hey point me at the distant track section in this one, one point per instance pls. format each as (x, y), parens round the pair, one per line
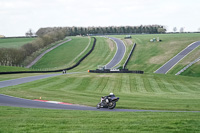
(41, 55)
(121, 49)
(172, 62)
(59, 70)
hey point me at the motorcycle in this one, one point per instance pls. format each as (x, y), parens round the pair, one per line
(109, 102)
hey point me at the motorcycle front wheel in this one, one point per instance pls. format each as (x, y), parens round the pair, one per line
(98, 106)
(112, 105)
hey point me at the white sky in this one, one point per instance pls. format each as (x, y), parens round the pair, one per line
(18, 16)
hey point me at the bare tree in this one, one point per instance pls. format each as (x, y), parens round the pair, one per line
(174, 29)
(29, 33)
(182, 29)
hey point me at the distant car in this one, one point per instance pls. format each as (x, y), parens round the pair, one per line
(127, 36)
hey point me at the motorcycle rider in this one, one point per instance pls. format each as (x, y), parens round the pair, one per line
(107, 98)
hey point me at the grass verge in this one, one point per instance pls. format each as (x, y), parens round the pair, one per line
(44, 120)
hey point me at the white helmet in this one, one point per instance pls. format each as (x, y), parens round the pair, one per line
(111, 94)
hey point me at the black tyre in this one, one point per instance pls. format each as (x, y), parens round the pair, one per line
(112, 105)
(98, 106)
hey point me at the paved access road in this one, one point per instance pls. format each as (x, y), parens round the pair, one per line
(19, 102)
(171, 63)
(121, 49)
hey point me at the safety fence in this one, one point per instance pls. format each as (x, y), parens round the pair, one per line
(124, 66)
(115, 71)
(182, 70)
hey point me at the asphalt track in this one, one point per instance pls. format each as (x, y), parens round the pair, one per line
(121, 49)
(171, 63)
(25, 103)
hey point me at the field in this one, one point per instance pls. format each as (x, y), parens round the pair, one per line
(148, 91)
(14, 42)
(44, 120)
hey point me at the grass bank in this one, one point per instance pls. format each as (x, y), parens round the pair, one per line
(43, 120)
(62, 56)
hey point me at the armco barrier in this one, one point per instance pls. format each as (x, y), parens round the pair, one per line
(115, 71)
(60, 70)
(124, 66)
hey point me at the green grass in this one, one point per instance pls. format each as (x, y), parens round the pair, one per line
(44, 120)
(101, 55)
(158, 92)
(14, 42)
(191, 71)
(147, 91)
(12, 69)
(150, 56)
(62, 56)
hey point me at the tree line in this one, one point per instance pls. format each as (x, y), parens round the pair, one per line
(46, 36)
(16, 56)
(73, 31)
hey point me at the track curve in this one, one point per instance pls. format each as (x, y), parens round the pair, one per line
(121, 49)
(25, 103)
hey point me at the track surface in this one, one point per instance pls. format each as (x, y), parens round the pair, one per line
(121, 49)
(171, 63)
(19, 102)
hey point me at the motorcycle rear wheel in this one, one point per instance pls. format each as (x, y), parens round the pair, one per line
(112, 105)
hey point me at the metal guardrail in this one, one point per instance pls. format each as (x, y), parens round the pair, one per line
(182, 70)
(124, 66)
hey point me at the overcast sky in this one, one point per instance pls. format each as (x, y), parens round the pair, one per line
(18, 16)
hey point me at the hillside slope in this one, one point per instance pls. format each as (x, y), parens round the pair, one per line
(64, 55)
(149, 56)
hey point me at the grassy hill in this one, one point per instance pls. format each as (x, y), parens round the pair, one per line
(149, 56)
(64, 55)
(14, 42)
(102, 54)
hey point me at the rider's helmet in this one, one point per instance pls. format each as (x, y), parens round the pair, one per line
(111, 94)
